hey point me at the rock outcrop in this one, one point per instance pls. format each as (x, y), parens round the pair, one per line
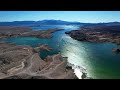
(42, 47)
(116, 50)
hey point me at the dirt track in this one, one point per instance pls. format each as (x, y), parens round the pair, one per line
(21, 62)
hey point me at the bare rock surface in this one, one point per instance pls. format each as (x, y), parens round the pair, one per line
(21, 62)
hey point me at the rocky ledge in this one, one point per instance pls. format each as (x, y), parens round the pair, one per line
(24, 62)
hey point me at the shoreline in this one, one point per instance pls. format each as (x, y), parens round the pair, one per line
(24, 62)
(98, 34)
(29, 65)
(10, 31)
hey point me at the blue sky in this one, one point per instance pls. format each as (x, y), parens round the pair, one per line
(80, 16)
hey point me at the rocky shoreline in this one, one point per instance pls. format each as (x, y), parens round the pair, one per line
(24, 62)
(14, 31)
(97, 33)
(21, 62)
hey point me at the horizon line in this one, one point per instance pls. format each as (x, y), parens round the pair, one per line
(57, 19)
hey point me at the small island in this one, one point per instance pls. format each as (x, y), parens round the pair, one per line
(116, 50)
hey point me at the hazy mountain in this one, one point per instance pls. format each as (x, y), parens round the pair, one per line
(106, 24)
(113, 23)
(42, 22)
(51, 22)
(15, 23)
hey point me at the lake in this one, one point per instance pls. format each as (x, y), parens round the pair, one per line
(96, 58)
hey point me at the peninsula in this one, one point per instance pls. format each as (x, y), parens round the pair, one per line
(24, 62)
(15, 31)
(97, 33)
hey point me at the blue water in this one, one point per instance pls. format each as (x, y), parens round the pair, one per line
(97, 58)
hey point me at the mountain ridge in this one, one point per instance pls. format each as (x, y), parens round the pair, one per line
(52, 22)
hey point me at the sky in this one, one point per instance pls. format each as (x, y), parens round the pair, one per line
(80, 16)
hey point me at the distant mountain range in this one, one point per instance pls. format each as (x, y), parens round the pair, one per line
(42, 22)
(51, 22)
(107, 24)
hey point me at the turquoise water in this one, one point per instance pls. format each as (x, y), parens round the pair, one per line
(97, 58)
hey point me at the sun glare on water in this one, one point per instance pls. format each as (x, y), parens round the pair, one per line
(78, 73)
